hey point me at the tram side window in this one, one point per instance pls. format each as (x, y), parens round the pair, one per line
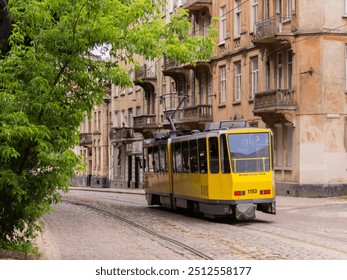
(145, 159)
(214, 155)
(156, 157)
(163, 158)
(224, 154)
(185, 156)
(150, 160)
(193, 152)
(202, 155)
(177, 157)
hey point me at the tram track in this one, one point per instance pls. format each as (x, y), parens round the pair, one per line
(140, 227)
(215, 240)
(241, 253)
(298, 240)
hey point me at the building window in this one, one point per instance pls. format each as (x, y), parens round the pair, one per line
(288, 9)
(99, 121)
(289, 69)
(89, 125)
(254, 78)
(193, 89)
(203, 89)
(222, 24)
(267, 74)
(94, 155)
(222, 75)
(115, 121)
(278, 144)
(164, 95)
(209, 88)
(267, 9)
(346, 66)
(99, 155)
(122, 117)
(173, 95)
(237, 19)
(237, 81)
(95, 121)
(138, 111)
(130, 117)
(254, 13)
(279, 70)
(206, 24)
(283, 144)
(279, 8)
(289, 143)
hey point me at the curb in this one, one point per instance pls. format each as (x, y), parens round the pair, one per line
(110, 190)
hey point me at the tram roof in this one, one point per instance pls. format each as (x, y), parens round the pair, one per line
(216, 127)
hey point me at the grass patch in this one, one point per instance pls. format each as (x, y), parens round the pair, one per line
(19, 249)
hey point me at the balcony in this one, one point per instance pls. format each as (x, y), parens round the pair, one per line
(198, 113)
(146, 77)
(272, 30)
(275, 105)
(121, 133)
(144, 121)
(178, 118)
(146, 72)
(196, 5)
(85, 139)
(173, 69)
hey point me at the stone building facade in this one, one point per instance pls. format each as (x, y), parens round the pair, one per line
(280, 64)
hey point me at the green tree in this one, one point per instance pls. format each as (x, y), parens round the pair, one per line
(48, 82)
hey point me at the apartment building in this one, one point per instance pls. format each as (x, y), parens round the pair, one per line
(280, 64)
(94, 143)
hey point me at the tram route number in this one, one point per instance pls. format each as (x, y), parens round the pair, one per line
(219, 270)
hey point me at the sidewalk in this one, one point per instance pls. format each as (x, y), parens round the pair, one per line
(111, 190)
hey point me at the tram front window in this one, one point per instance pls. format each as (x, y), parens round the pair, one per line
(249, 152)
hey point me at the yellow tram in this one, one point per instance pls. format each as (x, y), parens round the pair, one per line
(222, 171)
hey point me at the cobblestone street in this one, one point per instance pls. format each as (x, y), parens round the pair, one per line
(109, 225)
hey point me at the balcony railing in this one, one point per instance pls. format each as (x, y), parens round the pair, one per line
(198, 113)
(146, 72)
(144, 121)
(85, 139)
(177, 118)
(120, 133)
(269, 101)
(268, 28)
(172, 64)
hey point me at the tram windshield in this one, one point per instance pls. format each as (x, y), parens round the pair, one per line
(249, 152)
